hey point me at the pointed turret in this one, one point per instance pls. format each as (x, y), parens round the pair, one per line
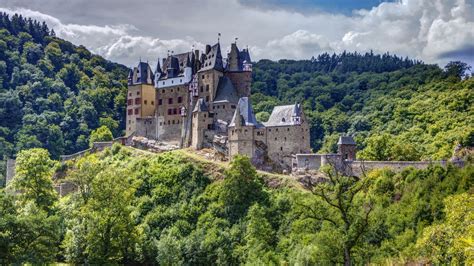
(158, 71)
(130, 77)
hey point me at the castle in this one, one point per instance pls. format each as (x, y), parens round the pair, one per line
(201, 100)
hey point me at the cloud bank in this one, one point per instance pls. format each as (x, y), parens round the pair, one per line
(435, 31)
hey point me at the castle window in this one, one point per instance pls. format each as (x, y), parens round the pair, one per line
(129, 102)
(276, 130)
(173, 122)
(202, 88)
(283, 119)
(209, 127)
(207, 98)
(303, 137)
(130, 94)
(170, 100)
(138, 93)
(285, 138)
(171, 89)
(232, 106)
(152, 103)
(163, 91)
(137, 101)
(223, 106)
(207, 87)
(172, 81)
(175, 111)
(275, 138)
(180, 99)
(288, 129)
(177, 89)
(169, 122)
(160, 101)
(180, 80)
(205, 115)
(170, 111)
(213, 107)
(130, 112)
(269, 130)
(245, 130)
(145, 101)
(218, 106)
(281, 148)
(161, 123)
(137, 111)
(202, 76)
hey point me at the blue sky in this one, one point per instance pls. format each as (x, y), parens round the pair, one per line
(339, 6)
(435, 31)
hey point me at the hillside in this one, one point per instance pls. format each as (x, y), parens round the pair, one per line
(135, 207)
(398, 109)
(53, 93)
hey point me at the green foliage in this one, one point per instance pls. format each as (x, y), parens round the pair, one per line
(425, 110)
(453, 240)
(53, 93)
(33, 178)
(103, 133)
(166, 209)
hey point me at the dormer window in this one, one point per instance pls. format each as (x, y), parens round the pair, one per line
(283, 119)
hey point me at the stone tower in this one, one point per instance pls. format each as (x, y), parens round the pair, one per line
(241, 130)
(140, 96)
(200, 122)
(347, 148)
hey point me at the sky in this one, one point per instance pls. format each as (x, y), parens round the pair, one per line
(435, 31)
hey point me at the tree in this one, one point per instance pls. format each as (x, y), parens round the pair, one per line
(240, 189)
(103, 229)
(456, 70)
(345, 208)
(451, 241)
(33, 178)
(103, 133)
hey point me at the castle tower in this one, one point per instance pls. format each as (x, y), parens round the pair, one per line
(347, 148)
(239, 70)
(241, 130)
(200, 122)
(140, 96)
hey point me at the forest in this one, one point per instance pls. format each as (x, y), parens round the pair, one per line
(133, 207)
(53, 94)
(166, 209)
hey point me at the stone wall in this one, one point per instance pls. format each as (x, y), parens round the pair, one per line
(285, 141)
(168, 112)
(146, 127)
(357, 168)
(314, 162)
(241, 81)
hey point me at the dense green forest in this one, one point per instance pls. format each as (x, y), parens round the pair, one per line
(166, 209)
(53, 93)
(397, 109)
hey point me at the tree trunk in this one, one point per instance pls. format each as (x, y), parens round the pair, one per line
(347, 257)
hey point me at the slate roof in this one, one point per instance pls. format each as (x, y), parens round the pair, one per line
(142, 73)
(177, 61)
(244, 109)
(244, 55)
(283, 115)
(226, 91)
(346, 140)
(200, 106)
(213, 59)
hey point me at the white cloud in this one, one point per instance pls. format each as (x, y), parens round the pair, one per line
(422, 29)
